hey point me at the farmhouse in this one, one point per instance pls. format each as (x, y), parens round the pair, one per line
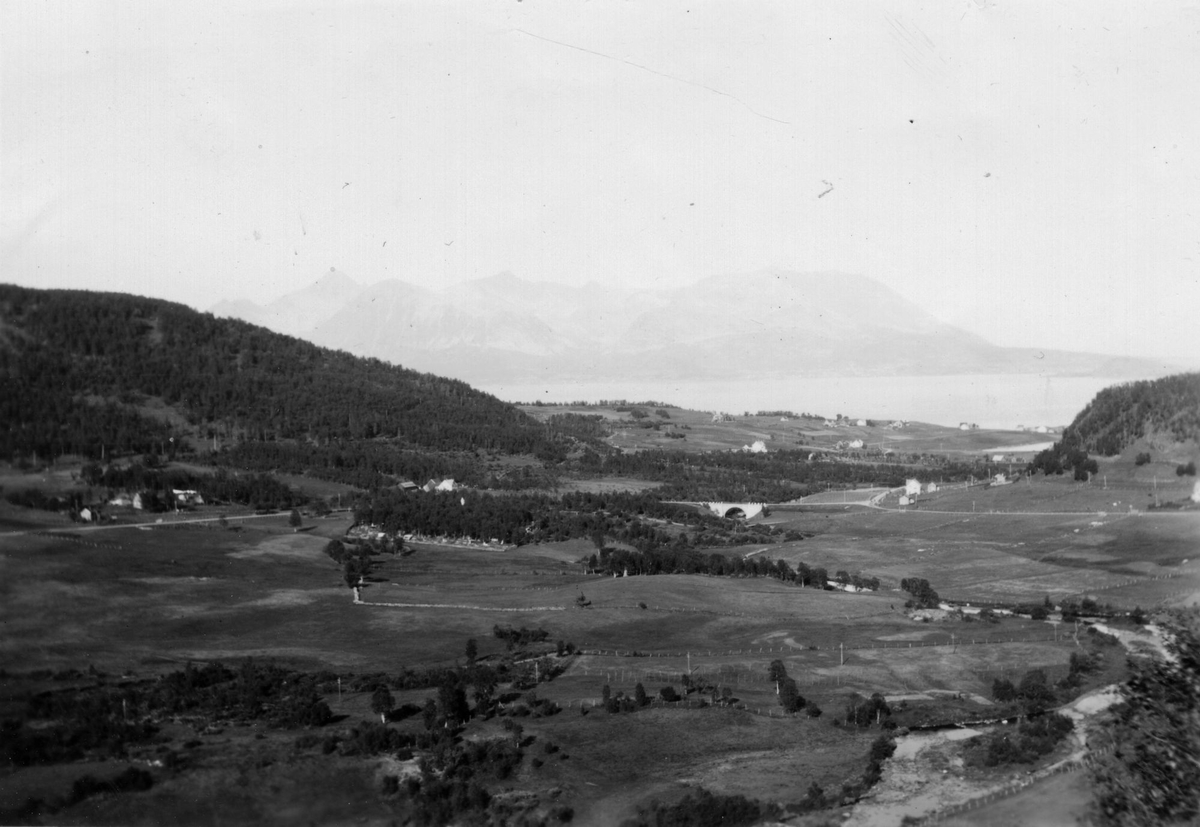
(862, 423)
(906, 500)
(854, 443)
(187, 497)
(912, 487)
(759, 447)
(122, 500)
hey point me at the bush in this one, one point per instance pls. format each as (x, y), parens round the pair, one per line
(702, 809)
(131, 780)
(1033, 739)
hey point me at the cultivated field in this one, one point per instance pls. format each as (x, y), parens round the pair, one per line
(702, 434)
(146, 600)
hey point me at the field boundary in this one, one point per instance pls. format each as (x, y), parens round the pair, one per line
(1066, 766)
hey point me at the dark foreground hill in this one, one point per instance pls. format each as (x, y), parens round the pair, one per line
(80, 372)
(1122, 414)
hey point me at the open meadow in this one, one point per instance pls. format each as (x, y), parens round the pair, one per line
(145, 601)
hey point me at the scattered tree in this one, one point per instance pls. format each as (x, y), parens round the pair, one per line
(381, 702)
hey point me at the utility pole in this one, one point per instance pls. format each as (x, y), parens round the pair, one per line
(842, 648)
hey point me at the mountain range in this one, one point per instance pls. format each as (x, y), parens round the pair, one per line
(769, 323)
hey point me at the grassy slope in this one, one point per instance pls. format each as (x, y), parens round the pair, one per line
(702, 434)
(149, 600)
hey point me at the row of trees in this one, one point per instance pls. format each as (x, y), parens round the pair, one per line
(521, 518)
(676, 560)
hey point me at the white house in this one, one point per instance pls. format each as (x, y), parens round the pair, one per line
(997, 457)
(912, 487)
(85, 515)
(964, 426)
(862, 423)
(854, 443)
(931, 488)
(123, 500)
(187, 497)
(905, 500)
(1000, 479)
(137, 501)
(446, 485)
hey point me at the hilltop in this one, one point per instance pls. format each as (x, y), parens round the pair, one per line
(95, 374)
(1122, 414)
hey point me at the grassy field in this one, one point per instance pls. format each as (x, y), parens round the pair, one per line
(702, 434)
(148, 599)
(994, 555)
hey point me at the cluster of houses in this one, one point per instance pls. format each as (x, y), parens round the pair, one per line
(1039, 429)
(845, 422)
(849, 444)
(139, 501)
(759, 447)
(430, 486)
(913, 489)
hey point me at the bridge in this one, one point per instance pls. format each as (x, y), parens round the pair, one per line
(740, 511)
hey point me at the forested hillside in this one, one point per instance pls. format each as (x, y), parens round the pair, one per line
(1122, 414)
(77, 367)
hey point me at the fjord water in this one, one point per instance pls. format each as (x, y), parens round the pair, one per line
(991, 401)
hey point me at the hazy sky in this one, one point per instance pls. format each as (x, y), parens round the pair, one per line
(1029, 170)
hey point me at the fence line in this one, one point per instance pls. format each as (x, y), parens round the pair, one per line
(767, 650)
(1067, 766)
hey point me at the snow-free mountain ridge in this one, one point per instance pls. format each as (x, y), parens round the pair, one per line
(503, 328)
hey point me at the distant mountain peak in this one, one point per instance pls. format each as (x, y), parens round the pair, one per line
(771, 322)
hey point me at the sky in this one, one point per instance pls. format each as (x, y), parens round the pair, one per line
(1029, 171)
